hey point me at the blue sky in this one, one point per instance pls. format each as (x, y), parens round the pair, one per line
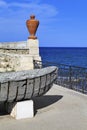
(63, 23)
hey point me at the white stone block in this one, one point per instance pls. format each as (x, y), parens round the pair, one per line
(23, 109)
(33, 46)
(33, 43)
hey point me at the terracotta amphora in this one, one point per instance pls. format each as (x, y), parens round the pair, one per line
(32, 26)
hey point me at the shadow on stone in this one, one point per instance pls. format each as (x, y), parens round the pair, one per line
(2, 109)
(44, 101)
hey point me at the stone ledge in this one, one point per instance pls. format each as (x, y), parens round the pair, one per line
(21, 75)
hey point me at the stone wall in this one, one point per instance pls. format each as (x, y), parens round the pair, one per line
(15, 51)
(16, 56)
(21, 44)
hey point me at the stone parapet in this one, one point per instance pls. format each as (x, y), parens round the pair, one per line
(16, 51)
(33, 46)
(15, 62)
(18, 56)
(20, 44)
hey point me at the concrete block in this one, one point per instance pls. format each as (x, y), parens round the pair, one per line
(23, 109)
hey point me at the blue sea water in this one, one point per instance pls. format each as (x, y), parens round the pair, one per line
(67, 55)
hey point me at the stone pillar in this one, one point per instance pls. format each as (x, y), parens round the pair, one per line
(33, 45)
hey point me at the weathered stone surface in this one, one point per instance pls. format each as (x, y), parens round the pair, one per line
(33, 46)
(12, 90)
(43, 81)
(25, 84)
(48, 79)
(20, 75)
(15, 50)
(41, 91)
(15, 62)
(17, 56)
(36, 86)
(25, 62)
(22, 44)
(3, 69)
(52, 76)
(29, 89)
(21, 85)
(3, 91)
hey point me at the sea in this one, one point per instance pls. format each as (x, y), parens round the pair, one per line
(75, 56)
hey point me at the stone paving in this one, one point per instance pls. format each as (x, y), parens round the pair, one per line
(59, 109)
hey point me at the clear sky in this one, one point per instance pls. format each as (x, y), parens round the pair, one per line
(63, 23)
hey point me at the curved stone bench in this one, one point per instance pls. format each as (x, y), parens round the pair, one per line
(23, 85)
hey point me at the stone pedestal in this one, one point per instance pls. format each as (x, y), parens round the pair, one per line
(21, 110)
(33, 45)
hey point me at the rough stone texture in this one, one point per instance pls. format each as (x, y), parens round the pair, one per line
(16, 56)
(21, 75)
(15, 62)
(4, 91)
(36, 86)
(29, 89)
(43, 81)
(48, 79)
(15, 51)
(25, 63)
(21, 89)
(34, 49)
(21, 44)
(25, 84)
(12, 90)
